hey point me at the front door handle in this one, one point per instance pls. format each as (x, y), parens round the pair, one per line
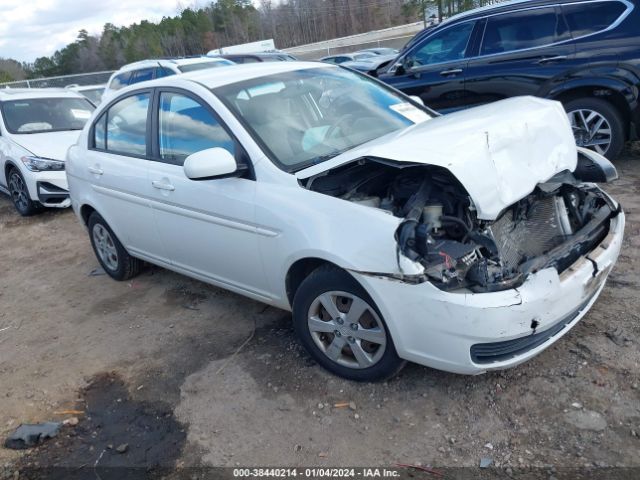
(96, 170)
(557, 58)
(453, 71)
(163, 186)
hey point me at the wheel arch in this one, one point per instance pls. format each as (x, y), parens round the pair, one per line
(301, 269)
(85, 212)
(610, 92)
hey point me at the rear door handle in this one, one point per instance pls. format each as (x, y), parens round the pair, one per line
(96, 170)
(453, 71)
(163, 186)
(557, 58)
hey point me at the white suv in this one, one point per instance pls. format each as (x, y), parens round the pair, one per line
(145, 70)
(469, 242)
(37, 126)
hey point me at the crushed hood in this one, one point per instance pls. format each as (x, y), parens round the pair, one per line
(53, 145)
(499, 152)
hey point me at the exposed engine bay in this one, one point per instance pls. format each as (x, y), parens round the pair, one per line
(557, 223)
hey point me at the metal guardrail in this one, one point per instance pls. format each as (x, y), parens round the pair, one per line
(95, 78)
(393, 37)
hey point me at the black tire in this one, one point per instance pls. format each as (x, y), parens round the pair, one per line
(124, 266)
(611, 114)
(20, 194)
(327, 279)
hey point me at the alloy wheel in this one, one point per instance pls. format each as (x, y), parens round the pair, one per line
(591, 130)
(19, 192)
(347, 329)
(105, 246)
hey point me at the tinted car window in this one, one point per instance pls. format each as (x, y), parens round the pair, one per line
(586, 18)
(121, 81)
(448, 45)
(187, 127)
(143, 75)
(163, 72)
(520, 30)
(127, 125)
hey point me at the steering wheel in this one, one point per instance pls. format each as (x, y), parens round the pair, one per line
(338, 126)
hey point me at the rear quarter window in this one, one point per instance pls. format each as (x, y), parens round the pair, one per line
(120, 81)
(587, 18)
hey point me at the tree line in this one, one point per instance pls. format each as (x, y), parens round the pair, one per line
(195, 31)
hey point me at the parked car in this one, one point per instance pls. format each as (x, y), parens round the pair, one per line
(146, 70)
(92, 92)
(37, 126)
(347, 57)
(381, 51)
(255, 57)
(371, 65)
(584, 53)
(466, 242)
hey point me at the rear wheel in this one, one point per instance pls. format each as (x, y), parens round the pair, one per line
(113, 257)
(597, 125)
(341, 327)
(20, 194)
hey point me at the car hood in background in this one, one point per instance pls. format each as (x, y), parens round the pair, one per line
(371, 63)
(53, 145)
(499, 152)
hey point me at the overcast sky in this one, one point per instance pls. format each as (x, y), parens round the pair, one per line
(36, 28)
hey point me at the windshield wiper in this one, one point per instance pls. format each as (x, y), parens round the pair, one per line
(329, 156)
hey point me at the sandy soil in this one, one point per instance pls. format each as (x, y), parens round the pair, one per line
(162, 346)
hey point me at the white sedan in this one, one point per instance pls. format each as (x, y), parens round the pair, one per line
(466, 243)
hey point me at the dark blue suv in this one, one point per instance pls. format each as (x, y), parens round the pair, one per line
(585, 54)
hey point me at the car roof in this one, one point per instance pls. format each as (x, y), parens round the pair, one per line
(28, 93)
(503, 7)
(80, 88)
(164, 62)
(227, 75)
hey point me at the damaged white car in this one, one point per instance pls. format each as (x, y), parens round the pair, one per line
(466, 243)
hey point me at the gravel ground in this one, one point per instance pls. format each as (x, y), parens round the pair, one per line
(154, 366)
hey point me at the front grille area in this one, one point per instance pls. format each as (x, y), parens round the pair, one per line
(521, 239)
(483, 353)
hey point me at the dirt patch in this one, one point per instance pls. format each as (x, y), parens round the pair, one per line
(116, 431)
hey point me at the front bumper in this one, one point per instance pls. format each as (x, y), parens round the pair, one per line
(49, 188)
(472, 333)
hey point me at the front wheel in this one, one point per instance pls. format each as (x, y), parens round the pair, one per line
(20, 194)
(111, 254)
(597, 125)
(341, 328)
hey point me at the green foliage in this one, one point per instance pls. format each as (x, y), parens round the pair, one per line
(196, 31)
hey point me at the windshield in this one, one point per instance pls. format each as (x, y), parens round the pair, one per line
(203, 66)
(309, 116)
(38, 115)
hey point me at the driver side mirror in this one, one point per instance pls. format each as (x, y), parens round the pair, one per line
(210, 163)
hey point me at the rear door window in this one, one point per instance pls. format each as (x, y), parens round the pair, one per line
(587, 18)
(522, 30)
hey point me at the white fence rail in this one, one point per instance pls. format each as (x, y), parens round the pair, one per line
(393, 37)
